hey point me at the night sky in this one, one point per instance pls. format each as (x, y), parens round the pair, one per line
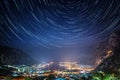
(58, 29)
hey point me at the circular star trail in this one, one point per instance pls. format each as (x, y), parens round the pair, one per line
(56, 23)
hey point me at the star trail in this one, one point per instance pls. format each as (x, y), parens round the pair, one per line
(57, 23)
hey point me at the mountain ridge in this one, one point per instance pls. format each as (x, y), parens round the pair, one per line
(110, 62)
(13, 56)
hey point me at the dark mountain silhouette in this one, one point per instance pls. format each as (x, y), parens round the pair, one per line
(14, 56)
(111, 61)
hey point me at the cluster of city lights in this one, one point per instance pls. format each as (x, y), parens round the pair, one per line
(41, 70)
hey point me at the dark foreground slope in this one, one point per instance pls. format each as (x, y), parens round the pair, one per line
(111, 63)
(14, 56)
